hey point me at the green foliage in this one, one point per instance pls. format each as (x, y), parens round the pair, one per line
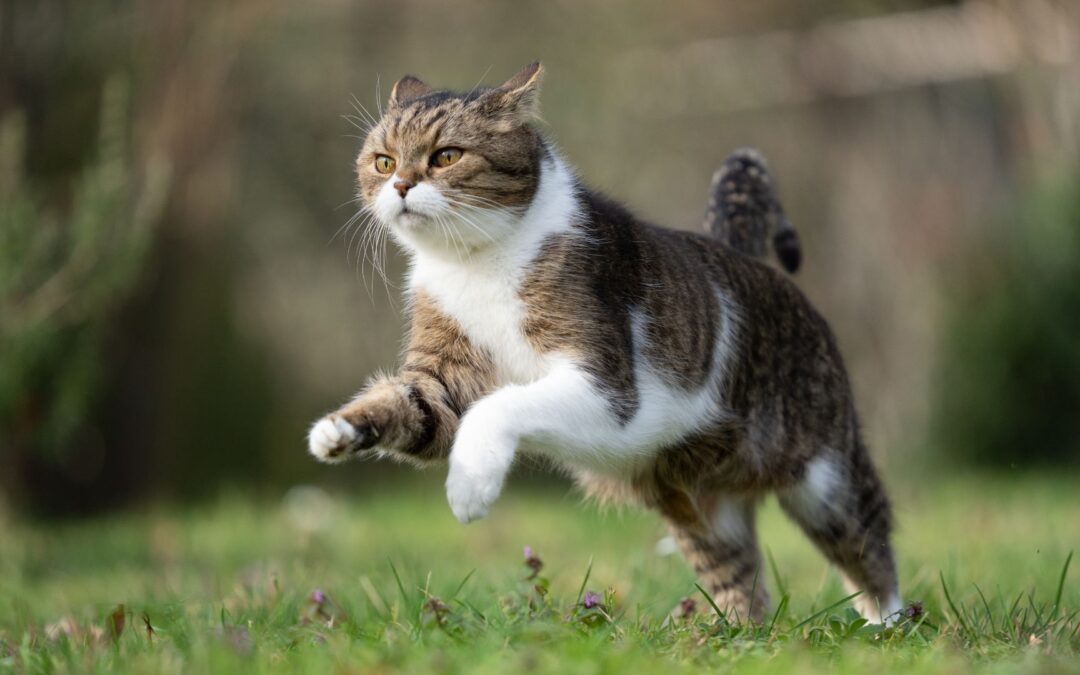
(1010, 384)
(64, 272)
(393, 584)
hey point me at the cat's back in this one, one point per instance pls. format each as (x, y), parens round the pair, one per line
(692, 284)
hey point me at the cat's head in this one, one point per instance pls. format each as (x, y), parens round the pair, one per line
(453, 169)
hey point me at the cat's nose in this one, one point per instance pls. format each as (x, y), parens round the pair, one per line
(403, 186)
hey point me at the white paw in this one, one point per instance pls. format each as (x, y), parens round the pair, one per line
(479, 462)
(470, 495)
(887, 613)
(330, 439)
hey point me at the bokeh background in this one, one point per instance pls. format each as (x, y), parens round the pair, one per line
(175, 308)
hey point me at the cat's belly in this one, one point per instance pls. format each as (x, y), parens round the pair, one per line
(586, 434)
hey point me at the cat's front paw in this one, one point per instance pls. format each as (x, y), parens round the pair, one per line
(332, 439)
(471, 494)
(479, 462)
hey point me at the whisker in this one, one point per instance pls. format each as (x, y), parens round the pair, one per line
(448, 231)
(378, 93)
(464, 246)
(476, 200)
(363, 231)
(358, 122)
(471, 223)
(361, 109)
(465, 211)
(348, 223)
(355, 200)
(384, 237)
(482, 208)
(482, 77)
(362, 119)
(367, 251)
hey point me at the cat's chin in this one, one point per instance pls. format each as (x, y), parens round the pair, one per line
(410, 220)
(417, 231)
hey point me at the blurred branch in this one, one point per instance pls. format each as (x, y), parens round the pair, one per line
(852, 58)
(103, 243)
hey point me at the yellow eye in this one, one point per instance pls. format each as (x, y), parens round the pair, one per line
(445, 157)
(384, 163)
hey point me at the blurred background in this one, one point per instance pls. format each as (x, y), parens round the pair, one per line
(175, 309)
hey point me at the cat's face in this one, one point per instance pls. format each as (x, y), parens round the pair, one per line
(450, 170)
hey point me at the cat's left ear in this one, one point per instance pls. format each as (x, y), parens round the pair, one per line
(519, 96)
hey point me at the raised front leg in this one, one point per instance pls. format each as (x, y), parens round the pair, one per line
(562, 415)
(408, 415)
(413, 415)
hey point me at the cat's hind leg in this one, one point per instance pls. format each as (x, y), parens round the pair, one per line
(717, 536)
(841, 505)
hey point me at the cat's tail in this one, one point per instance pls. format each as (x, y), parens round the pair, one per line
(744, 211)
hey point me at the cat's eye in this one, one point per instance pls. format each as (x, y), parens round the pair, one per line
(445, 157)
(384, 163)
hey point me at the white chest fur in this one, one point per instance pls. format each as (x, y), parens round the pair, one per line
(483, 299)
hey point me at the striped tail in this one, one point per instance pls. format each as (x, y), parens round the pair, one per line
(744, 211)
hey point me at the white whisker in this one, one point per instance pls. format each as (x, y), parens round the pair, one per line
(471, 223)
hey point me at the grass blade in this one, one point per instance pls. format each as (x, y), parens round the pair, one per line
(1061, 586)
(401, 586)
(373, 596)
(959, 617)
(753, 594)
(780, 607)
(581, 590)
(473, 609)
(712, 603)
(1016, 603)
(781, 587)
(462, 584)
(827, 609)
(986, 605)
(1037, 614)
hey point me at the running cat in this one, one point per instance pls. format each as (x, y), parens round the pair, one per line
(664, 367)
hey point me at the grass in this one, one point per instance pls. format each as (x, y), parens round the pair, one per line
(389, 582)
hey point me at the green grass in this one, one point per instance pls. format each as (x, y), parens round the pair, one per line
(229, 588)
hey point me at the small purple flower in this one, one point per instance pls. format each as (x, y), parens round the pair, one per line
(318, 597)
(591, 600)
(533, 562)
(914, 610)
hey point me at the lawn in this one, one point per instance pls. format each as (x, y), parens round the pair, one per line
(390, 582)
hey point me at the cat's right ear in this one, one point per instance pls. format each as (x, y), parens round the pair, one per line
(406, 89)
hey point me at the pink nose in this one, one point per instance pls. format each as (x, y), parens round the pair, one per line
(403, 186)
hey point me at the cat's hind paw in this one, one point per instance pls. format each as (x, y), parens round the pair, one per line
(332, 439)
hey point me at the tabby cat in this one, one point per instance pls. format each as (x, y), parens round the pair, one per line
(662, 367)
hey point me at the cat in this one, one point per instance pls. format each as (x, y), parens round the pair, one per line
(656, 366)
